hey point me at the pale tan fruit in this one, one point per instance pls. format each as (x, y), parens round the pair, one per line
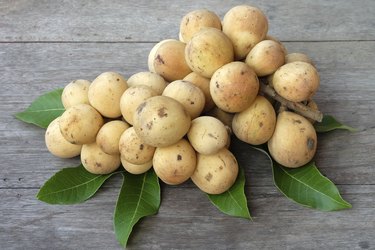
(80, 124)
(109, 135)
(294, 141)
(76, 92)
(234, 87)
(208, 50)
(245, 26)
(161, 121)
(105, 93)
(215, 173)
(255, 125)
(96, 161)
(175, 164)
(57, 144)
(196, 20)
(296, 81)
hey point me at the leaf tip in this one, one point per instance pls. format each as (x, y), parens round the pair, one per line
(248, 217)
(37, 195)
(18, 115)
(351, 129)
(348, 205)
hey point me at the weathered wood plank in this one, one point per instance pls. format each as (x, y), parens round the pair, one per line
(187, 220)
(135, 20)
(28, 70)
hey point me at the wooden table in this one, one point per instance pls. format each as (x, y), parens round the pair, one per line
(46, 44)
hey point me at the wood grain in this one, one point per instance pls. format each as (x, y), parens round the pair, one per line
(186, 220)
(134, 20)
(46, 44)
(38, 68)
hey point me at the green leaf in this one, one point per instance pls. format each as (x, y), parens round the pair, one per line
(43, 110)
(233, 202)
(329, 123)
(307, 186)
(139, 197)
(71, 186)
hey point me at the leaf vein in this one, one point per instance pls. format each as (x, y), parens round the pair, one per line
(344, 204)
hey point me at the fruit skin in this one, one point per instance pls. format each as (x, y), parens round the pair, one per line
(150, 79)
(204, 84)
(153, 53)
(234, 86)
(256, 124)
(131, 99)
(80, 124)
(207, 135)
(109, 135)
(245, 26)
(96, 161)
(296, 81)
(215, 173)
(161, 121)
(105, 93)
(294, 141)
(57, 144)
(196, 20)
(167, 59)
(176, 163)
(266, 57)
(133, 149)
(208, 50)
(76, 92)
(189, 95)
(136, 168)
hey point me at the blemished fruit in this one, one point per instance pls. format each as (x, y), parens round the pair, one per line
(80, 124)
(96, 161)
(197, 20)
(266, 57)
(234, 86)
(204, 84)
(294, 141)
(296, 81)
(245, 26)
(255, 125)
(133, 149)
(208, 50)
(168, 60)
(178, 117)
(161, 121)
(109, 135)
(105, 92)
(57, 144)
(131, 99)
(189, 95)
(76, 92)
(207, 135)
(176, 163)
(215, 173)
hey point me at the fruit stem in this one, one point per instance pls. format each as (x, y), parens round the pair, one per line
(296, 106)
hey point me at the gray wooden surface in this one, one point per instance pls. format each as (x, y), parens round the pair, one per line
(46, 44)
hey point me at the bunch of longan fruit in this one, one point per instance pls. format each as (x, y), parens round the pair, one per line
(178, 116)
